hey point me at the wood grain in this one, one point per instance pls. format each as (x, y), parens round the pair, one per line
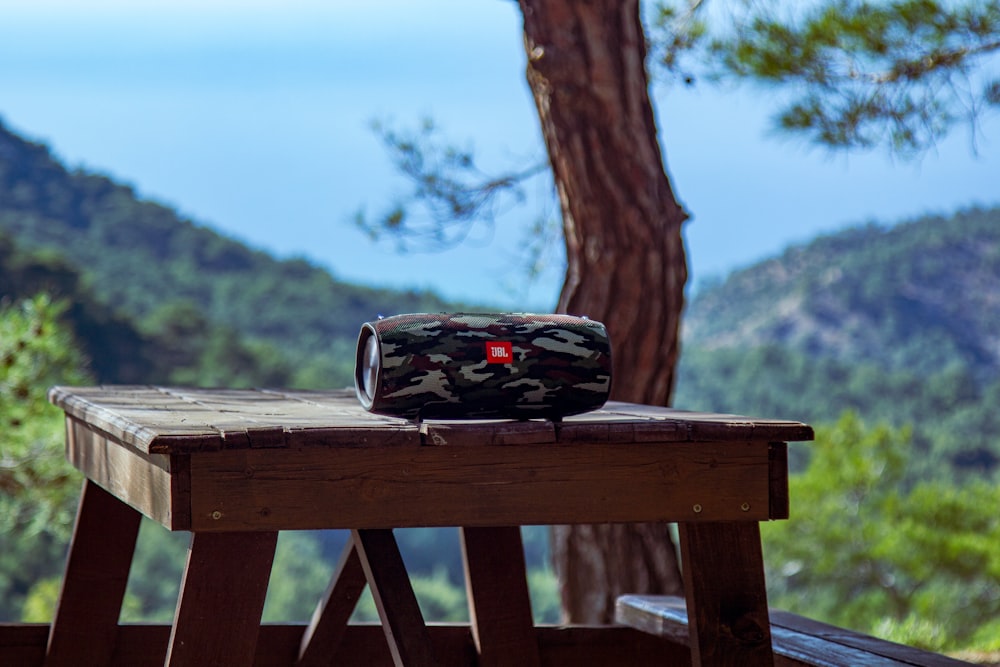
(329, 622)
(403, 624)
(726, 598)
(778, 457)
(144, 481)
(831, 639)
(100, 555)
(798, 641)
(499, 603)
(221, 599)
(169, 420)
(479, 486)
(23, 645)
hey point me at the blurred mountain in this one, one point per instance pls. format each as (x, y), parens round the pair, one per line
(918, 296)
(899, 324)
(181, 281)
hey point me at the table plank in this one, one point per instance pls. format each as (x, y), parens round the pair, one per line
(85, 628)
(181, 420)
(329, 622)
(402, 622)
(148, 482)
(480, 486)
(499, 604)
(145, 645)
(723, 572)
(221, 599)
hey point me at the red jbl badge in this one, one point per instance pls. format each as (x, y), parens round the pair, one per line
(499, 352)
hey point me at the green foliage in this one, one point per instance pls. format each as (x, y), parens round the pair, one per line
(863, 550)
(917, 296)
(155, 577)
(40, 603)
(953, 419)
(37, 485)
(298, 578)
(111, 345)
(176, 344)
(450, 192)
(543, 586)
(440, 599)
(896, 324)
(675, 31)
(187, 349)
(858, 73)
(31, 566)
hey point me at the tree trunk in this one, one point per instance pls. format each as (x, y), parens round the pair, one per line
(624, 250)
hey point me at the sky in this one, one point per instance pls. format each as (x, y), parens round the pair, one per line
(254, 117)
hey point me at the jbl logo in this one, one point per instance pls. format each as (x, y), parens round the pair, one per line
(499, 352)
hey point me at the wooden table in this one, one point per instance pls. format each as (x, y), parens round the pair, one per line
(234, 467)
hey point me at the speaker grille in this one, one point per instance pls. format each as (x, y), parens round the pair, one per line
(486, 365)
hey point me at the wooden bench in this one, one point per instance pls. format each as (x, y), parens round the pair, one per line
(796, 640)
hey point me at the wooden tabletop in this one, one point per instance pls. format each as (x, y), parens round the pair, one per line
(168, 420)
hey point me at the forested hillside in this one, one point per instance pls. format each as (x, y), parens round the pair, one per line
(897, 323)
(920, 296)
(177, 279)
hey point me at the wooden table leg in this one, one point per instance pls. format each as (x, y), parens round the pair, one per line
(221, 599)
(499, 603)
(402, 622)
(85, 627)
(726, 598)
(326, 629)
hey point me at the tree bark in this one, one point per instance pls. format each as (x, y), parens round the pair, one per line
(625, 255)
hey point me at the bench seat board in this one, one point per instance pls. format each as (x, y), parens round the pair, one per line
(797, 641)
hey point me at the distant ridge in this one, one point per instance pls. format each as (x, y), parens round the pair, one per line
(917, 296)
(145, 261)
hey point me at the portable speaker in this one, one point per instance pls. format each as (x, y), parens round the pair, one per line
(459, 365)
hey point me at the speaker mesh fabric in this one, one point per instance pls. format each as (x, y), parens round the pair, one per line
(462, 365)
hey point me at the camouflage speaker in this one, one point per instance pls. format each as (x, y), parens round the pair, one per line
(462, 365)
